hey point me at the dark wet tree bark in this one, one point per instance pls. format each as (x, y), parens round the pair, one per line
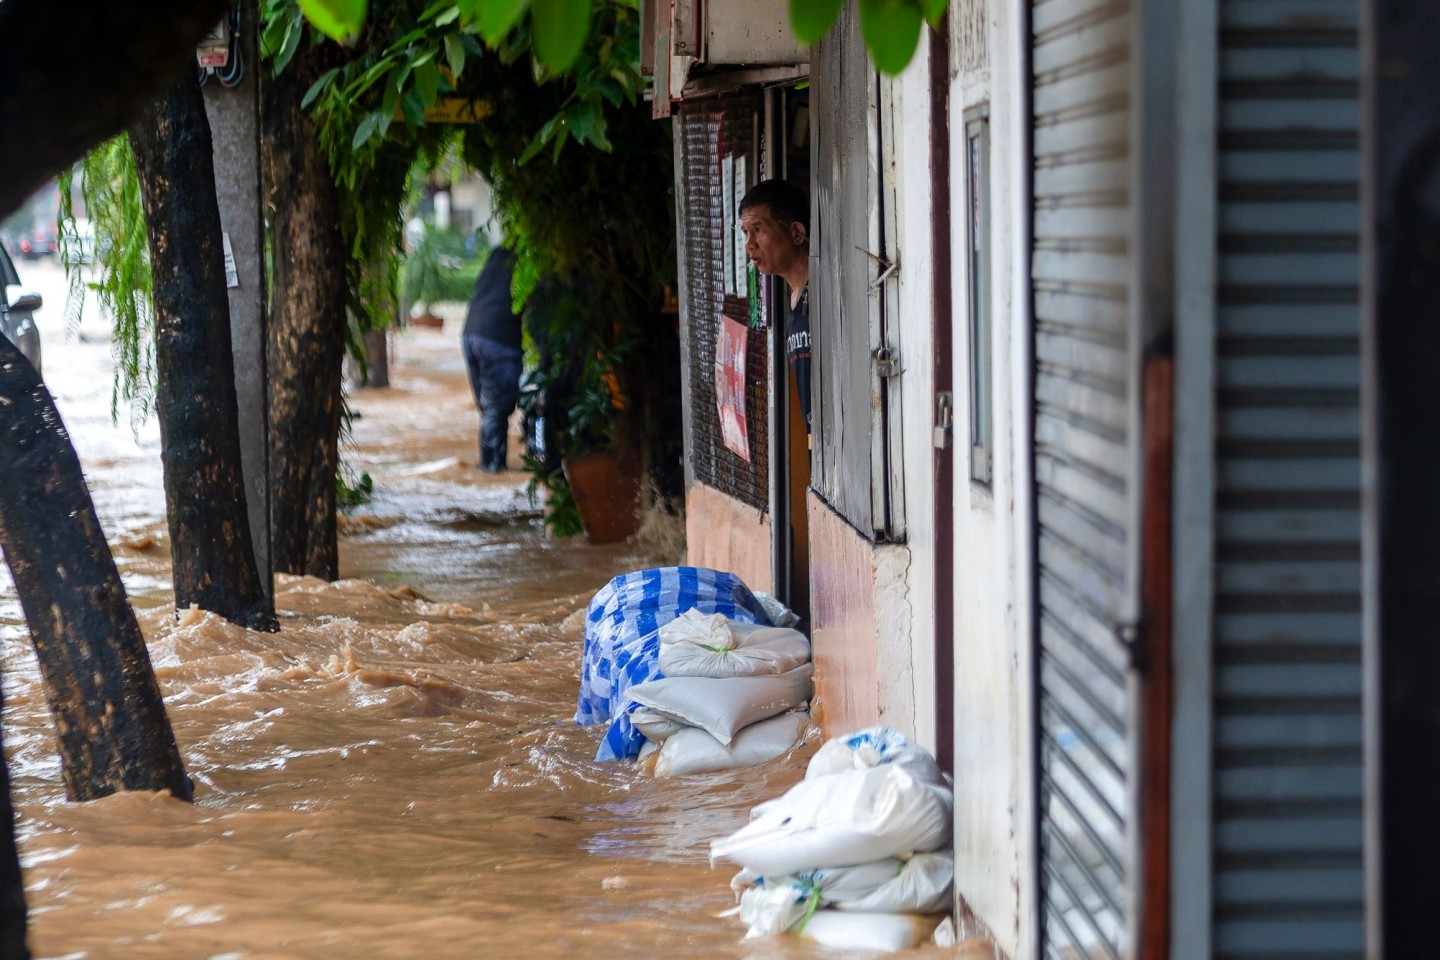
(307, 326)
(12, 886)
(109, 718)
(117, 57)
(211, 550)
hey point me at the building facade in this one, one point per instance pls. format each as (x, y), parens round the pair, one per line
(1083, 508)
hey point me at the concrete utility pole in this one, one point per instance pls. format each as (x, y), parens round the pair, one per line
(1400, 83)
(234, 113)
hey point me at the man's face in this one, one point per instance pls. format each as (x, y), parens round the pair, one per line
(773, 247)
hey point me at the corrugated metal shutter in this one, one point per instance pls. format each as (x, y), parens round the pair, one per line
(1083, 380)
(1287, 734)
(710, 130)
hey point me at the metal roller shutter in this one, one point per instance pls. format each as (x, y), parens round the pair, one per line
(710, 130)
(1083, 383)
(1287, 733)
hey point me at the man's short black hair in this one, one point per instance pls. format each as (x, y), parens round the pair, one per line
(788, 203)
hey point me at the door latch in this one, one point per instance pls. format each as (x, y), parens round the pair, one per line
(944, 413)
(886, 366)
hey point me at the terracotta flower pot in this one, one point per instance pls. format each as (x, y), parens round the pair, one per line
(607, 494)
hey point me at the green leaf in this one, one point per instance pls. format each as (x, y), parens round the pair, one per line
(598, 139)
(390, 102)
(365, 130)
(449, 16)
(290, 44)
(427, 81)
(454, 54)
(496, 17)
(413, 106)
(812, 19)
(338, 19)
(537, 142)
(933, 10)
(560, 28)
(317, 86)
(891, 29)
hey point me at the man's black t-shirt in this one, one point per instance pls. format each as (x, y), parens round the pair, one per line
(489, 314)
(797, 350)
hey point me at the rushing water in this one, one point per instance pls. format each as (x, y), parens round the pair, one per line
(394, 774)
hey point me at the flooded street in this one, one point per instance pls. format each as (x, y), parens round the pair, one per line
(394, 774)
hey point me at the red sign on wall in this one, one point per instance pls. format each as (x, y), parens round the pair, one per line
(730, 386)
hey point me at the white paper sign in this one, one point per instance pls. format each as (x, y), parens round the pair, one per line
(727, 214)
(232, 273)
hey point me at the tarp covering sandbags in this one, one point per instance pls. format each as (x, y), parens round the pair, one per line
(855, 855)
(647, 631)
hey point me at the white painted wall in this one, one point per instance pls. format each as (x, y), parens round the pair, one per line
(905, 585)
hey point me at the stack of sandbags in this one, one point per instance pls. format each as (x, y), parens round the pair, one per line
(622, 643)
(727, 695)
(856, 854)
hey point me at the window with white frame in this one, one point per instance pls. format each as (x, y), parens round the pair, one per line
(977, 301)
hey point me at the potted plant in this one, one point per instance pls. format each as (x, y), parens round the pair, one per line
(424, 282)
(575, 414)
(603, 475)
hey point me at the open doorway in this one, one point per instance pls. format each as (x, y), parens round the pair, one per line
(787, 119)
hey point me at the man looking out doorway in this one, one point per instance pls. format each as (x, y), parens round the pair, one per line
(775, 218)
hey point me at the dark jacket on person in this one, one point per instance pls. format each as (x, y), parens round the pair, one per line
(490, 314)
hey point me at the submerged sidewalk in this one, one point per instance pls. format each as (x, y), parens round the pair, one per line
(396, 773)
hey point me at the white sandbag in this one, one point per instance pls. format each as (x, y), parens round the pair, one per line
(692, 750)
(769, 911)
(922, 884)
(886, 932)
(732, 650)
(842, 819)
(873, 747)
(724, 707)
(654, 725)
(692, 626)
(774, 905)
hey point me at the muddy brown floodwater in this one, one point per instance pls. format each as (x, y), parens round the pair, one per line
(394, 774)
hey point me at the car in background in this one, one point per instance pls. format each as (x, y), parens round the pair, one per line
(17, 316)
(39, 241)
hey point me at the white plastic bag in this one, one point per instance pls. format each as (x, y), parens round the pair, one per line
(779, 614)
(692, 750)
(655, 726)
(885, 932)
(842, 819)
(699, 646)
(723, 707)
(873, 747)
(922, 884)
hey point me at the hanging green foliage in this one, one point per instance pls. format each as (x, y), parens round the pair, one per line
(121, 279)
(337, 19)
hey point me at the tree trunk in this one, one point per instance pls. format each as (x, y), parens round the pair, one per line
(211, 549)
(307, 327)
(377, 359)
(109, 718)
(117, 57)
(12, 885)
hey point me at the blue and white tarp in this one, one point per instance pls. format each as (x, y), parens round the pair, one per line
(622, 639)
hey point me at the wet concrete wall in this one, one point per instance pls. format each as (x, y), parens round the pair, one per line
(843, 626)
